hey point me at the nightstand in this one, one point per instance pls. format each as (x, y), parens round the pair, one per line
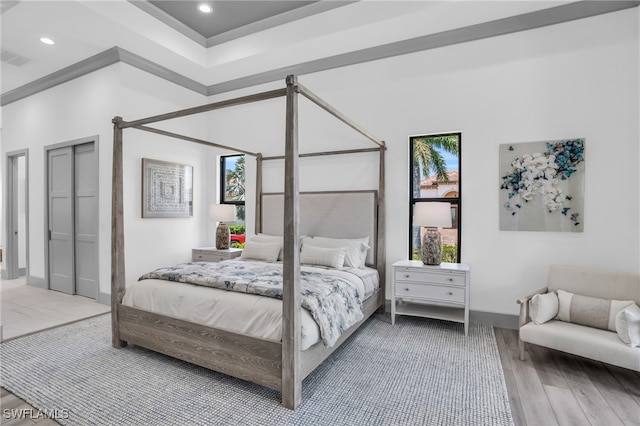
(440, 291)
(212, 254)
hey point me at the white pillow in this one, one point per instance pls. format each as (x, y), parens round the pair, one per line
(628, 325)
(355, 248)
(543, 307)
(264, 238)
(331, 257)
(267, 252)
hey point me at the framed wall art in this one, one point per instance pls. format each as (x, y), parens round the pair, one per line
(167, 189)
(542, 186)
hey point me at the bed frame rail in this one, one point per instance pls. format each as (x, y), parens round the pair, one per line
(245, 357)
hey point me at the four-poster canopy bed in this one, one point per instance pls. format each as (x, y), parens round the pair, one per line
(281, 365)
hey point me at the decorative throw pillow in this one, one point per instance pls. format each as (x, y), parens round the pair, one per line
(331, 257)
(267, 252)
(264, 238)
(589, 311)
(355, 248)
(628, 325)
(543, 307)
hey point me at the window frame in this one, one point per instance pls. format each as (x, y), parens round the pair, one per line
(455, 202)
(223, 180)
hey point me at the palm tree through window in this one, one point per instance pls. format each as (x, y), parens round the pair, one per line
(435, 176)
(232, 190)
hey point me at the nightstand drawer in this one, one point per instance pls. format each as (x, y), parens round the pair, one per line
(207, 257)
(211, 254)
(407, 274)
(432, 292)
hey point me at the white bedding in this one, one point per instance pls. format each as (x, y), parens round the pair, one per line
(250, 314)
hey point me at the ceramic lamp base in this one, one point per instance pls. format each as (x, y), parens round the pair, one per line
(432, 247)
(222, 236)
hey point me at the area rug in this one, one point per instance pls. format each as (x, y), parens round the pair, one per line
(418, 371)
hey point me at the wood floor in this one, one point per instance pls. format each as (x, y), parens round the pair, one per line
(16, 412)
(553, 388)
(548, 388)
(26, 309)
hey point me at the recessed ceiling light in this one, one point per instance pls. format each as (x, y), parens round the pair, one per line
(47, 40)
(205, 8)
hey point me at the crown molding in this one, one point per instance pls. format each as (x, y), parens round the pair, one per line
(528, 21)
(160, 71)
(94, 63)
(84, 67)
(512, 24)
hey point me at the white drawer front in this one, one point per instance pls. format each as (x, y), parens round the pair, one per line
(200, 257)
(452, 278)
(433, 292)
(208, 257)
(204, 255)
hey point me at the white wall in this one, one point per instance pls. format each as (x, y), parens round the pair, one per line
(84, 107)
(153, 242)
(578, 79)
(2, 180)
(80, 108)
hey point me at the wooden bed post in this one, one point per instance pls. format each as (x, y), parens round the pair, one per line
(258, 213)
(381, 258)
(117, 234)
(291, 378)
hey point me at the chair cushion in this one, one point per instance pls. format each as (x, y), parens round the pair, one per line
(593, 343)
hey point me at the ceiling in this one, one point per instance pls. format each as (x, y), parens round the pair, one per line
(227, 15)
(246, 42)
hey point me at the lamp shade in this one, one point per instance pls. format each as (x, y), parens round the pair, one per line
(432, 214)
(222, 213)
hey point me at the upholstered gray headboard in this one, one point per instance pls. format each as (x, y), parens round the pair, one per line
(335, 214)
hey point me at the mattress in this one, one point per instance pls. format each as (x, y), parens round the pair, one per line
(249, 314)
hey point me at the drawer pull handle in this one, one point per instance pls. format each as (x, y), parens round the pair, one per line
(407, 276)
(450, 294)
(450, 279)
(406, 289)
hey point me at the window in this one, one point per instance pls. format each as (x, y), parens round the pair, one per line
(435, 176)
(232, 188)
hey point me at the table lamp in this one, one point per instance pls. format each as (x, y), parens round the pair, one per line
(222, 213)
(432, 215)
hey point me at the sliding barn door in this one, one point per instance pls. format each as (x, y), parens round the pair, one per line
(86, 220)
(73, 219)
(61, 220)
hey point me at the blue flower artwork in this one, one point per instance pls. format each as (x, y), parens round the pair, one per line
(542, 186)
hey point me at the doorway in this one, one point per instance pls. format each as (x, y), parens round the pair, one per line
(17, 225)
(72, 217)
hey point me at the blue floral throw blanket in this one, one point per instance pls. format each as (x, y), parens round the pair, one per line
(333, 297)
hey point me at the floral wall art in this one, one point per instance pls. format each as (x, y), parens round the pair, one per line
(542, 186)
